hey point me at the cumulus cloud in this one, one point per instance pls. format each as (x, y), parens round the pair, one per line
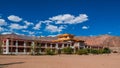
(29, 32)
(28, 23)
(69, 19)
(2, 22)
(14, 18)
(53, 28)
(17, 26)
(6, 33)
(37, 26)
(85, 27)
(1, 29)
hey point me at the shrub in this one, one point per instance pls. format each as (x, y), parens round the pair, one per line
(67, 50)
(106, 50)
(100, 51)
(82, 52)
(89, 50)
(49, 51)
(94, 51)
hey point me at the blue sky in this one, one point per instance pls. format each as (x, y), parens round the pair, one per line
(53, 17)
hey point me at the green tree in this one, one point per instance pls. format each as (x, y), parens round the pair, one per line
(82, 52)
(68, 50)
(106, 50)
(33, 48)
(94, 51)
(39, 49)
(49, 51)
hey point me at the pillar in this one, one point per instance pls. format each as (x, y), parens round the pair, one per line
(45, 45)
(74, 49)
(63, 45)
(24, 47)
(50, 45)
(33, 47)
(67, 44)
(56, 45)
(56, 48)
(7, 46)
(16, 44)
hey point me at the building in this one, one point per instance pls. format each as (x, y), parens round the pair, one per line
(21, 44)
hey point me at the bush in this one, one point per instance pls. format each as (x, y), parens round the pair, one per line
(89, 50)
(67, 50)
(49, 51)
(100, 51)
(94, 51)
(106, 50)
(82, 52)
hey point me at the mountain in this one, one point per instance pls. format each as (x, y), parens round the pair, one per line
(102, 40)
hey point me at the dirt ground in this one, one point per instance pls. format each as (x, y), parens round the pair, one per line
(63, 61)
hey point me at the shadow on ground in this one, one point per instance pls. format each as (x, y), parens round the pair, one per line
(6, 64)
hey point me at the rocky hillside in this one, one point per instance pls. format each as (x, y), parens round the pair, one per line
(102, 40)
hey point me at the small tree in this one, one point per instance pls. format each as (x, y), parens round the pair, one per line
(89, 50)
(68, 50)
(94, 51)
(100, 51)
(39, 49)
(106, 50)
(82, 52)
(49, 51)
(33, 48)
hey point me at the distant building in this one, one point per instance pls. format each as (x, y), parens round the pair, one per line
(20, 44)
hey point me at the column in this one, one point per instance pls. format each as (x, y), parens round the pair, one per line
(56, 45)
(74, 49)
(51, 45)
(25, 47)
(63, 45)
(16, 44)
(67, 44)
(39, 47)
(84, 46)
(45, 45)
(71, 46)
(7, 46)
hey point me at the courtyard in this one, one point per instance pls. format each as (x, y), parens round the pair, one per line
(62, 61)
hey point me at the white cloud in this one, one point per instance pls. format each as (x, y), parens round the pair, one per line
(17, 26)
(25, 31)
(85, 27)
(6, 33)
(37, 26)
(53, 28)
(14, 18)
(1, 29)
(69, 19)
(2, 22)
(29, 32)
(53, 35)
(28, 23)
